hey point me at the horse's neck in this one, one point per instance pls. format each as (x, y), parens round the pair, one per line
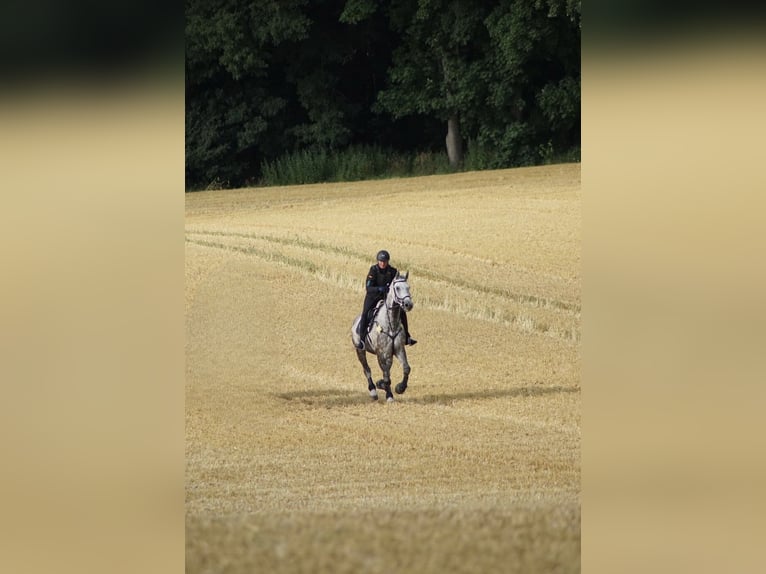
(392, 312)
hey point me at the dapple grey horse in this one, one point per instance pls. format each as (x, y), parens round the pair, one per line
(386, 337)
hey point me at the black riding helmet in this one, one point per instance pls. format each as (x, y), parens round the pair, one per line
(383, 255)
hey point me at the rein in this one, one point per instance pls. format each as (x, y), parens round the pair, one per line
(390, 310)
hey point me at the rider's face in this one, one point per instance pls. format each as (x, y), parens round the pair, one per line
(382, 264)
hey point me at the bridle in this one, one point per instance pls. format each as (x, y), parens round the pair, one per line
(399, 302)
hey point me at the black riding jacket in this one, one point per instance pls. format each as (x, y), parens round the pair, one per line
(378, 277)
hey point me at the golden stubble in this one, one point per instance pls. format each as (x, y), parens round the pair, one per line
(291, 467)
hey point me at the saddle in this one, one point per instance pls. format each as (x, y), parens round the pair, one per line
(371, 313)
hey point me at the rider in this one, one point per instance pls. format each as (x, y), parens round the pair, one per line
(378, 281)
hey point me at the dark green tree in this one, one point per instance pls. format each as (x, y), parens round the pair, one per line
(504, 74)
(236, 103)
(533, 102)
(265, 78)
(438, 63)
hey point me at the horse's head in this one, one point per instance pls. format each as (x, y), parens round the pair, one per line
(400, 292)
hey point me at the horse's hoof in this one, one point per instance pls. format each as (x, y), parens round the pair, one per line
(400, 388)
(390, 399)
(374, 394)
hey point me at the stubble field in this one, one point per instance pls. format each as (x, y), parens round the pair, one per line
(476, 468)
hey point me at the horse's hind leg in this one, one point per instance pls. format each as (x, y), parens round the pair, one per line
(362, 356)
(401, 354)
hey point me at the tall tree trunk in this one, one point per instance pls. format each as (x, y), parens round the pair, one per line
(454, 142)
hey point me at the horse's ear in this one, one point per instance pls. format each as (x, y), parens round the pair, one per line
(406, 274)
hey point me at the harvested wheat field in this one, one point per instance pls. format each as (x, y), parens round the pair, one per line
(291, 467)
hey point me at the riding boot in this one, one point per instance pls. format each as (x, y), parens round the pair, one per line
(362, 330)
(408, 340)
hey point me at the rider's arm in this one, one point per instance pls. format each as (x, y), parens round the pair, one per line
(372, 282)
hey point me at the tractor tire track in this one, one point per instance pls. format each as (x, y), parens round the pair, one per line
(568, 332)
(421, 272)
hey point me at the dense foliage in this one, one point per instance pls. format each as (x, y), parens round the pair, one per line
(483, 84)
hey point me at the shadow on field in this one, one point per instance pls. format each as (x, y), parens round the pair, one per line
(329, 398)
(449, 398)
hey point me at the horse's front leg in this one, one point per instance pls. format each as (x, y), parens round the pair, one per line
(362, 356)
(401, 355)
(385, 360)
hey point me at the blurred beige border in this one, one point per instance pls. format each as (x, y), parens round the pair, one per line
(673, 311)
(92, 328)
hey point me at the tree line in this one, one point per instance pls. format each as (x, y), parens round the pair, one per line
(483, 84)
